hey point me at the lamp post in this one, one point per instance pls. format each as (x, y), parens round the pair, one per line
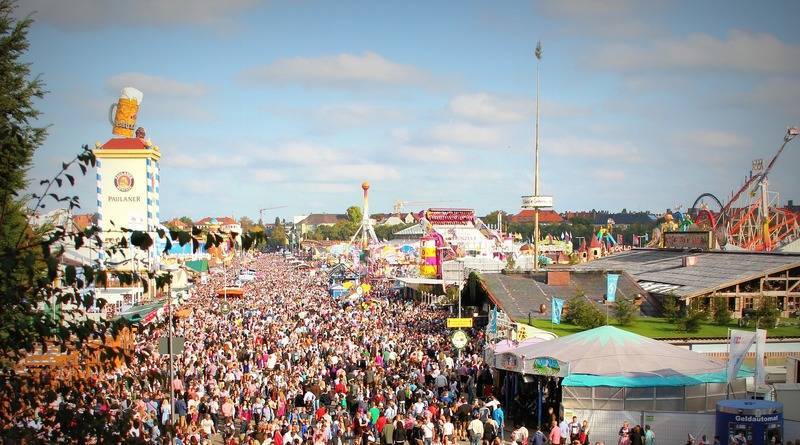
(170, 269)
(538, 54)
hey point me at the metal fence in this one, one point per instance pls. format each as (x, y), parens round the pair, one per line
(694, 398)
(668, 427)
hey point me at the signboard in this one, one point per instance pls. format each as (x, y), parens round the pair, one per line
(459, 339)
(547, 366)
(702, 240)
(534, 202)
(459, 322)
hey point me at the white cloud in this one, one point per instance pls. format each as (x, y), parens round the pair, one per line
(356, 115)
(610, 18)
(79, 14)
(740, 51)
(344, 171)
(592, 148)
(715, 139)
(267, 175)
(203, 161)
(487, 108)
(438, 154)
(297, 153)
(157, 86)
(349, 71)
(462, 133)
(608, 174)
(778, 93)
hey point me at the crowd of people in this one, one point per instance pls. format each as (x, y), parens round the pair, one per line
(284, 365)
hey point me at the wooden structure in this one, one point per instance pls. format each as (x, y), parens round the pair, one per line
(742, 278)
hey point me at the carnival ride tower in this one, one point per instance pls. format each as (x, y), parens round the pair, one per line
(752, 219)
(366, 230)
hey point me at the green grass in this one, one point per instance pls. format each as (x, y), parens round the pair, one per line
(661, 328)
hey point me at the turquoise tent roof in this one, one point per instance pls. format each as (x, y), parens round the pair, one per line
(609, 356)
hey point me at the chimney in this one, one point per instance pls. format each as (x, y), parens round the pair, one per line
(689, 261)
(791, 203)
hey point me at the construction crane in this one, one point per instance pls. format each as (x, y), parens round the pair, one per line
(261, 213)
(400, 205)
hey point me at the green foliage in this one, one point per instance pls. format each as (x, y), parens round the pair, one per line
(625, 311)
(186, 220)
(692, 317)
(387, 232)
(671, 308)
(722, 315)
(277, 238)
(354, 215)
(767, 313)
(581, 312)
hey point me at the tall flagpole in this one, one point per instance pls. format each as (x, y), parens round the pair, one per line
(538, 54)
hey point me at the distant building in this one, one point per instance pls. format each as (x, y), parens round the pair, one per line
(620, 219)
(177, 224)
(222, 223)
(546, 217)
(790, 206)
(314, 220)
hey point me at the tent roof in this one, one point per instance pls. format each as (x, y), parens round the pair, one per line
(611, 352)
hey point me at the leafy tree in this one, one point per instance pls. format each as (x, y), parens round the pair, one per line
(278, 236)
(670, 308)
(247, 224)
(692, 317)
(186, 220)
(767, 313)
(625, 311)
(722, 315)
(354, 215)
(582, 312)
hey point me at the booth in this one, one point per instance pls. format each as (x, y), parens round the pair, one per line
(751, 422)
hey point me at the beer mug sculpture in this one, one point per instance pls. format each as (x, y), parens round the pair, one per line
(122, 114)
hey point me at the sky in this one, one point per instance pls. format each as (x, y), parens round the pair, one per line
(644, 105)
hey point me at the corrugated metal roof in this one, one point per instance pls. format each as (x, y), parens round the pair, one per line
(713, 270)
(518, 294)
(410, 232)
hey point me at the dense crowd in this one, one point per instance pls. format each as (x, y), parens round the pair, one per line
(284, 365)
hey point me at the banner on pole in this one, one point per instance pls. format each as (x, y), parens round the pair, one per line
(493, 321)
(761, 346)
(740, 343)
(556, 306)
(611, 287)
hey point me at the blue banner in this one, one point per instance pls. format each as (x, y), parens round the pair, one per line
(556, 307)
(493, 321)
(611, 287)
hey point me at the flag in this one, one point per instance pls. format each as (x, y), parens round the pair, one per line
(611, 287)
(761, 345)
(556, 307)
(739, 345)
(493, 321)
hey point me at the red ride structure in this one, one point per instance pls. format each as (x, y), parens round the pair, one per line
(752, 219)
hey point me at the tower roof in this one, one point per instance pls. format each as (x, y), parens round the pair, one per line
(125, 144)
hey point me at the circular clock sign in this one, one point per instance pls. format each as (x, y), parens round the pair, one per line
(459, 339)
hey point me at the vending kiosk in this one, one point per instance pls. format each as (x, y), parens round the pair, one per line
(749, 422)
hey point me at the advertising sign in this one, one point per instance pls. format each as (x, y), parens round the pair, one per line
(534, 202)
(688, 240)
(459, 322)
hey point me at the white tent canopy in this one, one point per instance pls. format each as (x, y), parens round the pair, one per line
(611, 352)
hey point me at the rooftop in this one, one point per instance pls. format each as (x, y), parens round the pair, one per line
(662, 271)
(519, 294)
